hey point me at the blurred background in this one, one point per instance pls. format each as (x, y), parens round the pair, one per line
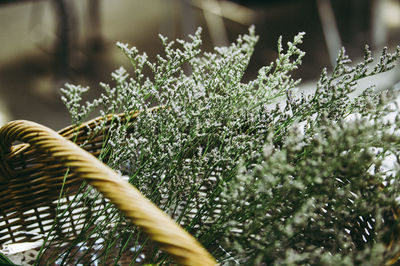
(45, 43)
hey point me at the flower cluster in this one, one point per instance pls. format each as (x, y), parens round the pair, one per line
(256, 172)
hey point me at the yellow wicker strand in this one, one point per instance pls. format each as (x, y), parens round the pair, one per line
(142, 212)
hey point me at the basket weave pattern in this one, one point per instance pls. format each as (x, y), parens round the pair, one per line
(33, 172)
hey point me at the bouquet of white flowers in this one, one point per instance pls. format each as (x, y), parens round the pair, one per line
(258, 173)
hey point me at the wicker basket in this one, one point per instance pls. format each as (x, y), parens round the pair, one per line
(36, 163)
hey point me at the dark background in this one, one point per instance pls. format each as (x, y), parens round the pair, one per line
(44, 44)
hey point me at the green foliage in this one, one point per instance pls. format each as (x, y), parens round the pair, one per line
(316, 200)
(255, 172)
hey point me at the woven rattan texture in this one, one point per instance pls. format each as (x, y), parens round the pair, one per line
(34, 173)
(33, 182)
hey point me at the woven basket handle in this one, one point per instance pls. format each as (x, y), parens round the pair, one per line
(141, 211)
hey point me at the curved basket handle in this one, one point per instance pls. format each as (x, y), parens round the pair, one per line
(141, 211)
